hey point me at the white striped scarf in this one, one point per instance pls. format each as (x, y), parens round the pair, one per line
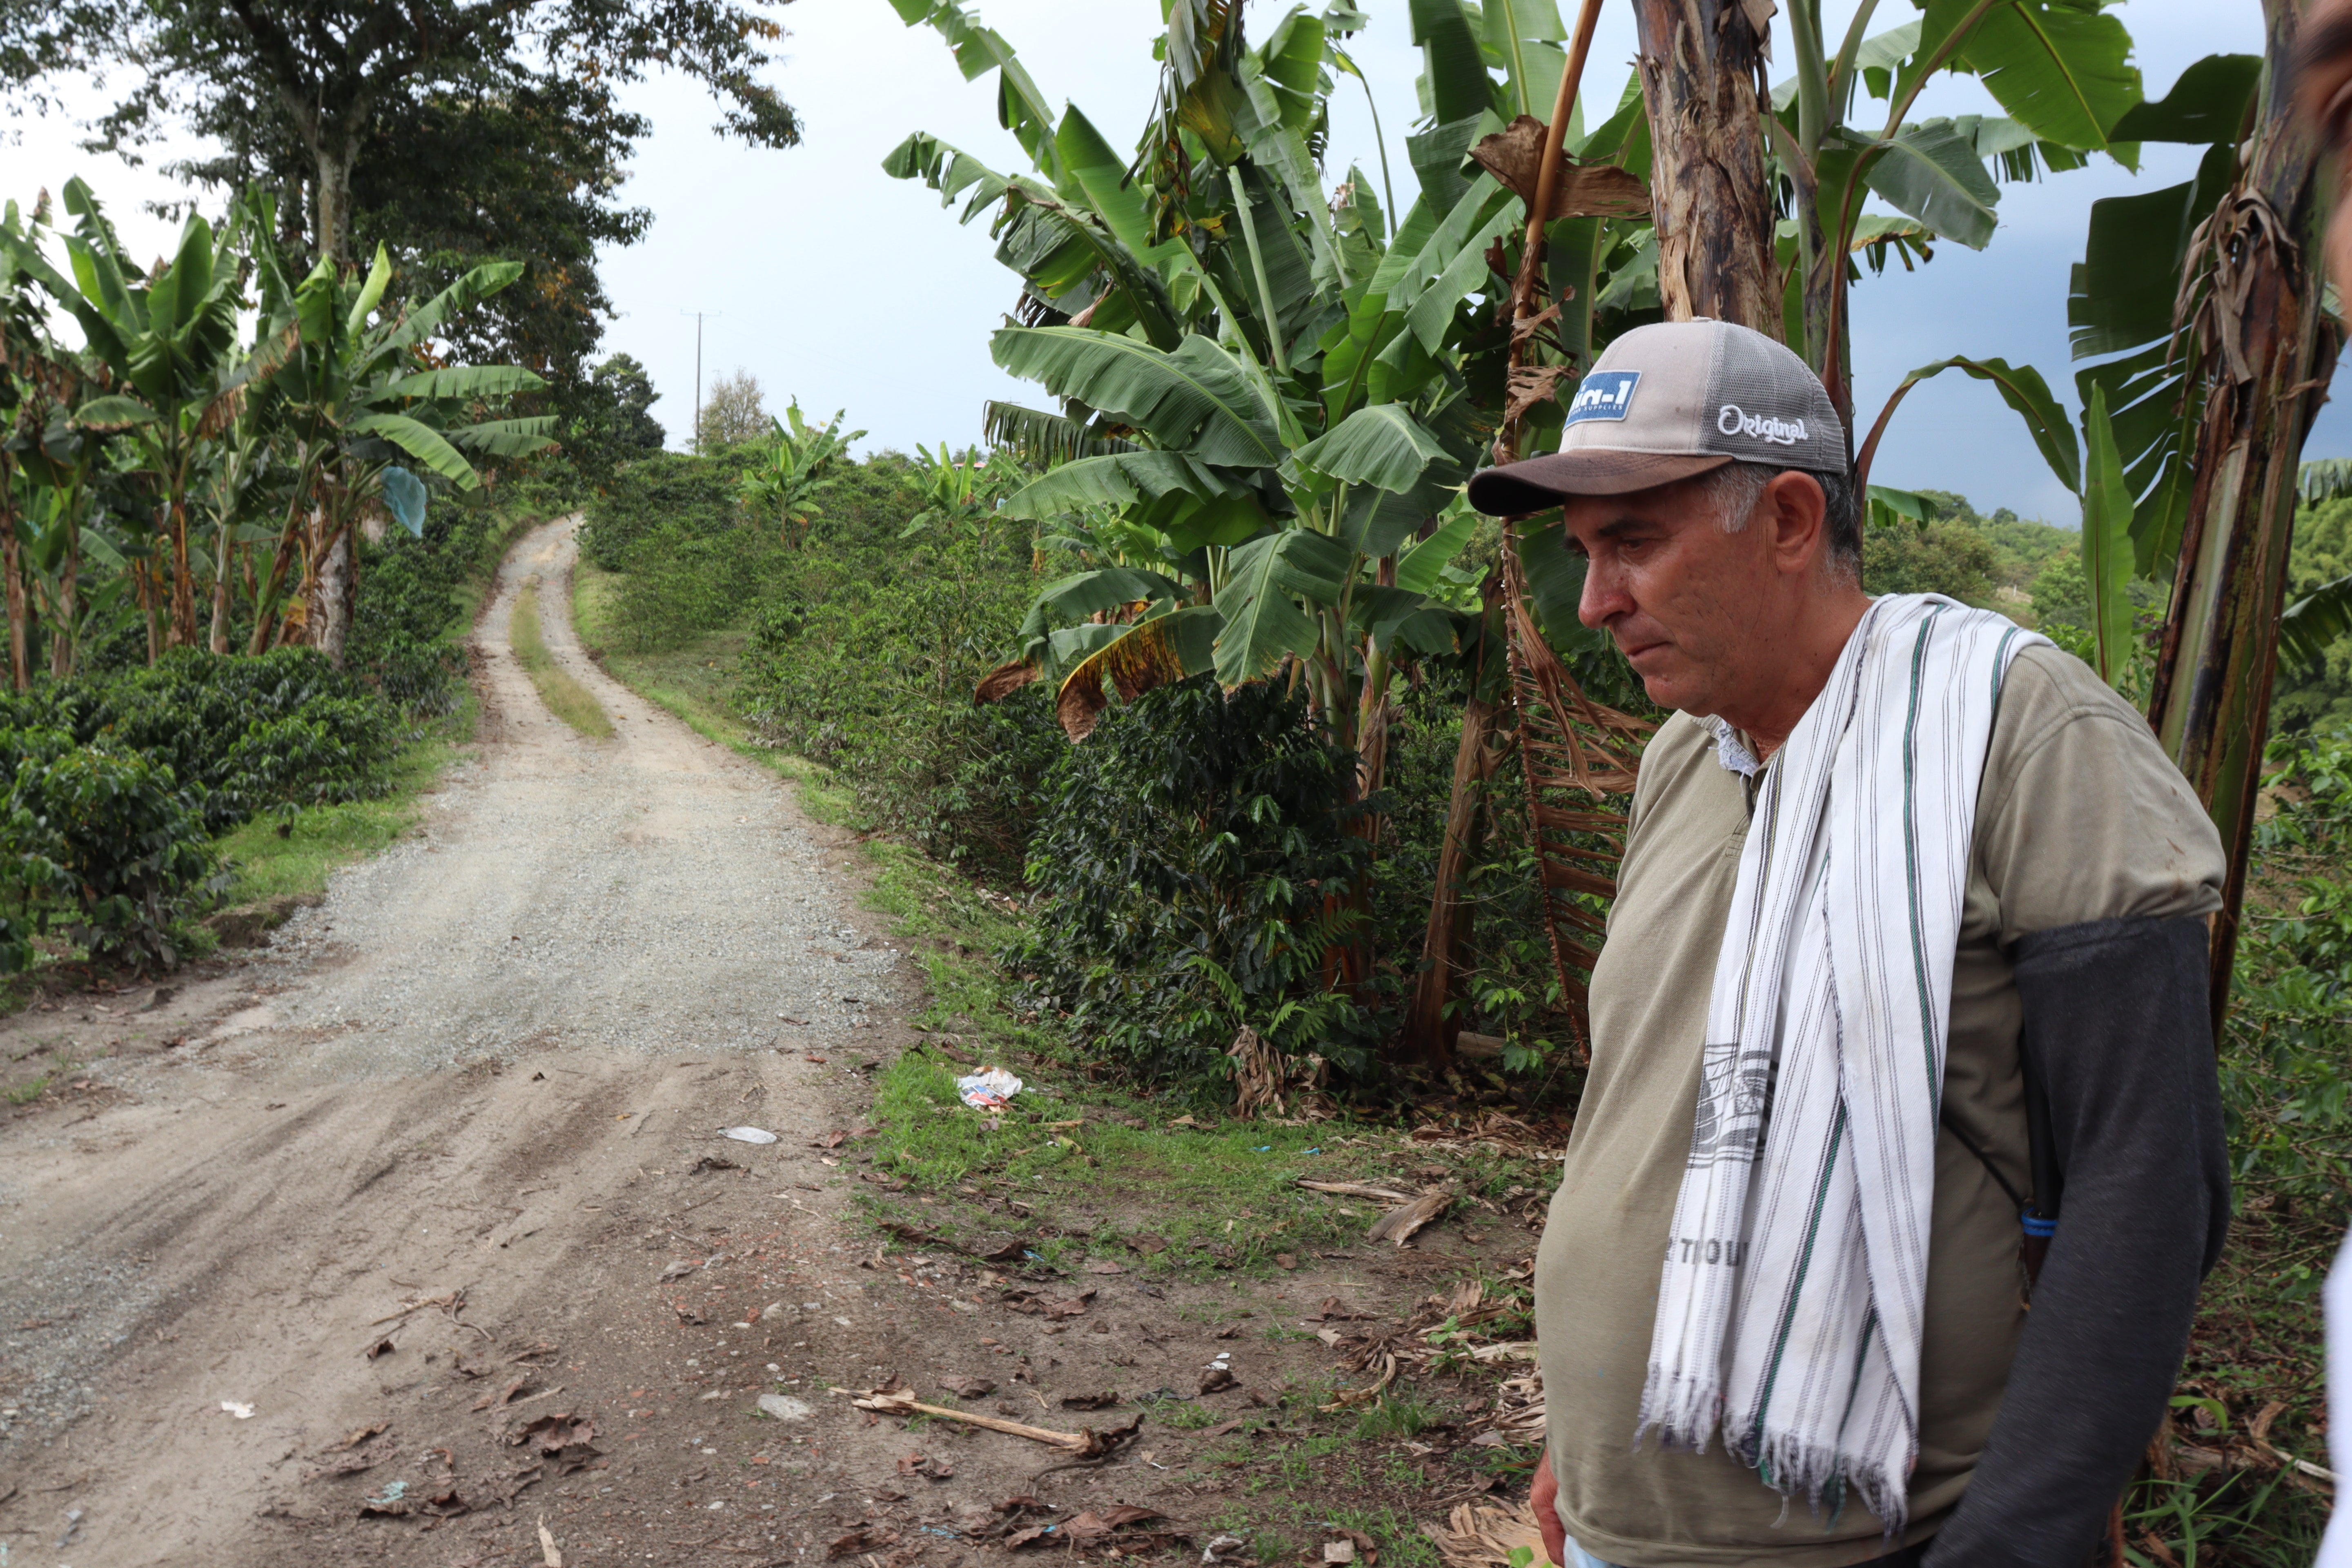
(1795, 1278)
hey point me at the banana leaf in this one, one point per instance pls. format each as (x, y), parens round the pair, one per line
(1141, 658)
(1196, 398)
(2314, 621)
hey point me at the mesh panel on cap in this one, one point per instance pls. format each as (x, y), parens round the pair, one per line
(1773, 392)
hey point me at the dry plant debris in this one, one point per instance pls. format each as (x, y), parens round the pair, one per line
(1480, 1535)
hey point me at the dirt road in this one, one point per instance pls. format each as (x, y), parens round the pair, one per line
(415, 1235)
(484, 1067)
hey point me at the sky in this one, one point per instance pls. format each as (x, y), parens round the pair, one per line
(835, 284)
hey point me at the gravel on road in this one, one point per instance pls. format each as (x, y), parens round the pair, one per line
(654, 891)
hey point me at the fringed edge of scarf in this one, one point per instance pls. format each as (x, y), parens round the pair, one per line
(1793, 1466)
(1684, 1415)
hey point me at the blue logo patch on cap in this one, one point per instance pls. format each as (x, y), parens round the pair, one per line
(1604, 395)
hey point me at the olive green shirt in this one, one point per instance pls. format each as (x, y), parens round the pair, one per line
(2080, 816)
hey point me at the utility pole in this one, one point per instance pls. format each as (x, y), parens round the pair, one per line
(698, 316)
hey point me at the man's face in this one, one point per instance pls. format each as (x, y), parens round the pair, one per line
(1691, 606)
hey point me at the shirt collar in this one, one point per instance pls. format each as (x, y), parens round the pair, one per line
(1731, 750)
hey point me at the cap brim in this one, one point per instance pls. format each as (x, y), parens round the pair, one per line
(1537, 483)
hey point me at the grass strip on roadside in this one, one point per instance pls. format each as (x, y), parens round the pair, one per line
(269, 856)
(565, 697)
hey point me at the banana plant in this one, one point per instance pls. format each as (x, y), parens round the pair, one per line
(2060, 71)
(64, 534)
(231, 495)
(2129, 460)
(2134, 303)
(1269, 396)
(28, 363)
(959, 493)
(169, 343)
(793, 468)
(49, 457)
(369, 416)
(2201, 312)
(1256, 375)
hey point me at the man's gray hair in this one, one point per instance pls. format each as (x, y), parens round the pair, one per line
(1736, 488)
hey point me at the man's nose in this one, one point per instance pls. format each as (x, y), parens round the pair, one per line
(1604, 597)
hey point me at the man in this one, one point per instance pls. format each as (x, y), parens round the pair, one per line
(1897, 873)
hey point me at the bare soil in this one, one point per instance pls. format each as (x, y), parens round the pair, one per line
(414, 1237)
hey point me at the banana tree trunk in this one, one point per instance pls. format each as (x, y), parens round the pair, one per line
(12, 562)
(66, 636)
(144, 584)
(2267, 353)
(1701, 64)
(330, 618)
(218, 641)
(184, 587)
(290, 540)
(1429, 1034)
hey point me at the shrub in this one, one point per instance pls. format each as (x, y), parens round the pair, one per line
(2287, 1061)
(106, 844)
(691, 494)
(862, 656)
(284, 730)
(409, 601)
(681, 584)
(1507, 986)
(1193, 870)
(1949, 558)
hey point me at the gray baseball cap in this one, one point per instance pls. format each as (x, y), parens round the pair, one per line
(1670, 401)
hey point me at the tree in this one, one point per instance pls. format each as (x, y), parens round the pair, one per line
(736, 411)
(506, 172)
(2201, 306)
(1947, 558)
(1267, 397)
(169, 342)
(367, 412)
(2059, 70)
(1700, 64)
(961, 490)
(2259, 347)
(615, 419)
(297, 86)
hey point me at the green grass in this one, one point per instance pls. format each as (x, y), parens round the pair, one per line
(1219, 1195)
(29, 1090)
(693, 681)
(2233, 1518)
(266, 863)
(565, 697)
(1397, 1415)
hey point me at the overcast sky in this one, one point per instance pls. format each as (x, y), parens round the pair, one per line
(835, 284)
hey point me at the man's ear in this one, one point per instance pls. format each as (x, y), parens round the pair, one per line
(1798, 514)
